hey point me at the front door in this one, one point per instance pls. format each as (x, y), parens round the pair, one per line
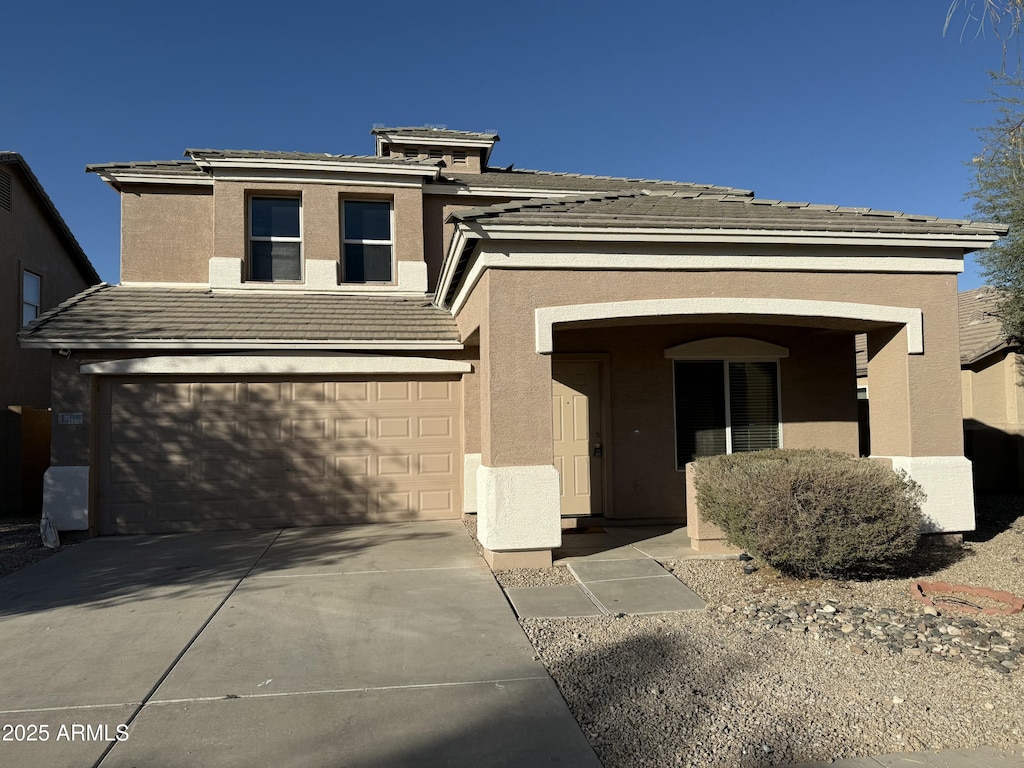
(576, 423)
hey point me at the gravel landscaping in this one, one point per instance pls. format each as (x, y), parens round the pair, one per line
(21, 544)
(779, 670)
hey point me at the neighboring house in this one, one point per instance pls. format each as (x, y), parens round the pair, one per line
(41, 265)
(992, 382)
(306, 339)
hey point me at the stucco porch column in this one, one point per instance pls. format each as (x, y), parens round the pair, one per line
(916, 418)
(518, 508)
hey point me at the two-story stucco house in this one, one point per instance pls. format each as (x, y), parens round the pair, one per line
(41, 265)
(303, 339)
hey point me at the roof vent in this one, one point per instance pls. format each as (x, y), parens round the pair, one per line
(5, 191)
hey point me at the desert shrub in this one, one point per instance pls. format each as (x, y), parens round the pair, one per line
(812, 512)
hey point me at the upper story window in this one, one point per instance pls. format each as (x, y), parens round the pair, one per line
(31, 296)
(275, 238)
(459, 156)
(368, 247)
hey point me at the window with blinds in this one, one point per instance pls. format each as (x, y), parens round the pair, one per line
(725, 407)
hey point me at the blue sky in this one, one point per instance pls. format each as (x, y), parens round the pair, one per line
(862, 103)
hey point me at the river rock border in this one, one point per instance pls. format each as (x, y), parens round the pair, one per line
(954, 638)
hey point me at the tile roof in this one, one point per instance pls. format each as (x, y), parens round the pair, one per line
(111, 315)
(568, 182)
(981, 330)
(184, 168)
(78, 257)
(260, 154)
(429, 132)
(710, 211)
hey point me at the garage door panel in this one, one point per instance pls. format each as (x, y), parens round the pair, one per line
(435, 426)
(436, 464)
(394, 391)
(394, 428)
(218, 454)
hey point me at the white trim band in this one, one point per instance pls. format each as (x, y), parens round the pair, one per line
(276, 365)
(546, 317)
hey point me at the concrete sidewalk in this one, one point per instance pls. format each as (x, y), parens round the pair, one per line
(347, 646)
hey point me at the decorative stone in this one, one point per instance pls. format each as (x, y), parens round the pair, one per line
(957, 597)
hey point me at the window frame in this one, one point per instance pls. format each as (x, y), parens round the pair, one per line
(727, 399)
(251, 238)
(390, 242)
(24, 300)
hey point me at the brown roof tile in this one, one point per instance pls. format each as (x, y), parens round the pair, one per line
(712, 211)
(111, 315)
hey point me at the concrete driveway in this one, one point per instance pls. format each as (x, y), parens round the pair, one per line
(382, 645)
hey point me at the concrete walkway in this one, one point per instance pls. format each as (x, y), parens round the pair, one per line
(348, 646)
(616, 573)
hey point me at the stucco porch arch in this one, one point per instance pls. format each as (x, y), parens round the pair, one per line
(546, 318)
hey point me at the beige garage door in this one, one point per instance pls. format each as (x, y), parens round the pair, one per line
(214, 454)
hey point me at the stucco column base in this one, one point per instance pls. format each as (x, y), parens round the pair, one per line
(518, 508)
(705, 537)
(524, 558)
(949, 483)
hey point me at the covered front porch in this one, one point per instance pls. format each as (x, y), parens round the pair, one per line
(604, 404)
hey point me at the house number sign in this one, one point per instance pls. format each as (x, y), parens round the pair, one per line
(70, 418)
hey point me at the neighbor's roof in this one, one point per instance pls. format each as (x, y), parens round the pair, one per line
(114, 316)
(78, 257)
(712, 211)
(981, 330)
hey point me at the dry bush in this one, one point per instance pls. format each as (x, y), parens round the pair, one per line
(812, 512)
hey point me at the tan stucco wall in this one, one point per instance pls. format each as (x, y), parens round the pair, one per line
(817, 391)
(993, 423)
(515, 407)
(166, 234)
(996, 391)
(437, 235)
(170, 236)
(29, 242)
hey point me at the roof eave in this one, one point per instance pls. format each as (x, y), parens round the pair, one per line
(76, 343)
(337, 166)
(494, 231)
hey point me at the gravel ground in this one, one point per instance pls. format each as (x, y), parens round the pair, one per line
(720, 688)
(21, 544)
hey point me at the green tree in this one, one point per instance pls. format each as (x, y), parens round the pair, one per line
(998, 193)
